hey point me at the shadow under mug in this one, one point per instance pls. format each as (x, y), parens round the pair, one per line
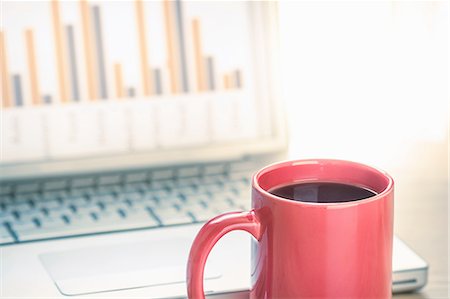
(310, 250)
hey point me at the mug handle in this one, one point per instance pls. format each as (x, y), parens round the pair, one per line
(207, 237)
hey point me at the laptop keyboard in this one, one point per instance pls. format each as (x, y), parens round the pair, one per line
(112, 203)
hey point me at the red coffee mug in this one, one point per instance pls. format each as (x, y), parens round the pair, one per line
(310, 250)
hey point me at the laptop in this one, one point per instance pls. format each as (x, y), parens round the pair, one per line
(125, 126)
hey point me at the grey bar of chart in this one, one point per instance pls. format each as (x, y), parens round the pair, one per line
(72, 63)
(158, 81)
(209, 62)
(182, 44)
(237, 79)
(18, 95)
(131, 92)
(47, 99)
(100, 52)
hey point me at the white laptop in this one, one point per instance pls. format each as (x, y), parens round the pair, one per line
(125, 125)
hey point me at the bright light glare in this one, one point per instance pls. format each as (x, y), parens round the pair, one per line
(364, 80)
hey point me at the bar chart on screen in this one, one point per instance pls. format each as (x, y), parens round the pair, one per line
(94, 77)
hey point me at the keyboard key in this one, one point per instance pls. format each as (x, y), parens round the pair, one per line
(196, 198)
(56, 194)
(109, 179)
(4, 231)
(210, 188)
(187, 182)
(214, 169)
(27, 187)
(56, 232)
(204, 216)
(104, 218)
(108, 190)
(214, 179)
(135, 188)
(145, 202)
(57, 213)
(132, 196)
(169, 216)
(82, 182)
(19, 207)
(6, 200)
(30, 215)
(88, 210)
(105, 198)
(239, 185)
(225, 195)
(166, 204)
(162, 184)
(7, 217)
(240, 176)
(18, 226)
(119, 205)
(47, 204)
(222, 206)
(5, 189)
(55, 185)
(246, 196)
(200, 212)
(141, 217)
(86, 191)
(162, 174)
(78, 201)
(193, 171)
(242, 166)
(23, 198)
(136, 177)
(86, 218)
(8, 239)
(187, 190)
(158, 193)
(106, 224)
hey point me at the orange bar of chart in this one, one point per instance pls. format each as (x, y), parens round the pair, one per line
(60, 52)
(146, 74)
(32, 67)
(171, 47)
(88, 50)
(6, 88)
(199, 64)
(227, 81)
(120, 92)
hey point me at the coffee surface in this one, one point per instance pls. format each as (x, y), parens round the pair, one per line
(322, 192)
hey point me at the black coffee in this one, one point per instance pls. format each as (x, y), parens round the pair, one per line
(322, 192)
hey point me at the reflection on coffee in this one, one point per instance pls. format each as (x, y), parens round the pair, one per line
(322, 192)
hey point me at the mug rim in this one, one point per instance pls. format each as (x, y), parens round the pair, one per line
(255, 183)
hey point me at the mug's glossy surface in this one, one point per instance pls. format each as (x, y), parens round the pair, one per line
(310, 250)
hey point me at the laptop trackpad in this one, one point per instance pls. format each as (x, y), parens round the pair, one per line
(119, 267)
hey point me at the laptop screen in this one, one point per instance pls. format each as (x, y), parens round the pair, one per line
(86, 80)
